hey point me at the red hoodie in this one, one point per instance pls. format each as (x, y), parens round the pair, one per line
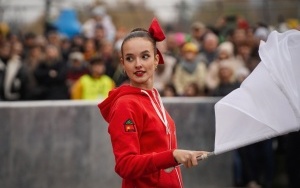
(143, 138)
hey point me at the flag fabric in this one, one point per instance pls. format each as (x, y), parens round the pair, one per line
(267, 104)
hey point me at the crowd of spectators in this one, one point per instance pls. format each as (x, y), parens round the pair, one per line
(206, 61)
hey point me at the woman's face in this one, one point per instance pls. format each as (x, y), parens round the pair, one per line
(139, 61)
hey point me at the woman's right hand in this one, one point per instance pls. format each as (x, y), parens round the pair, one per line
(188, 158)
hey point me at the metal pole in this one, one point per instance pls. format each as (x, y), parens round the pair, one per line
(266, 11)
(47, 16)
(298, 14)
(2, 8)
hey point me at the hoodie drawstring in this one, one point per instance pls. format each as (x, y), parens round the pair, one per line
(161, 113)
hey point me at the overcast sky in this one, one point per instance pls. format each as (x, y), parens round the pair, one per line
(164, 9)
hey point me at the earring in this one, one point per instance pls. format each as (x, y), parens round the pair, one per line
(155, 66)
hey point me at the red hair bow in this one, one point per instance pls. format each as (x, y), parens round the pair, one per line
(157, 33)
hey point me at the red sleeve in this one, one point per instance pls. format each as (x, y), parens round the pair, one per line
(129, 162)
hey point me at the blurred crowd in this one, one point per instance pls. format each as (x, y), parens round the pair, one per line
(206, 61)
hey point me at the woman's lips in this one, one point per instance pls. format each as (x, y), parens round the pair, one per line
(139, 73)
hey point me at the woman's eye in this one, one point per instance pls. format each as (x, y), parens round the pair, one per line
(129, 58)
(145, 56)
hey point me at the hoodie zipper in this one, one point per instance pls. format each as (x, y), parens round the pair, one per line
(162, 116)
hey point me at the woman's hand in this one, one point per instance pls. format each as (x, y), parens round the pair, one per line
(187, 157)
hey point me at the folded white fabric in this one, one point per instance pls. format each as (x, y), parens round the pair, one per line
(268, 102)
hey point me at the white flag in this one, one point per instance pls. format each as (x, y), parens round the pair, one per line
(268, 102)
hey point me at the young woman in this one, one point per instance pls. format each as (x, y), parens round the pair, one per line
(142, 133)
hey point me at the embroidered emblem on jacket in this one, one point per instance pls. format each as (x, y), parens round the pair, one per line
(129, 126)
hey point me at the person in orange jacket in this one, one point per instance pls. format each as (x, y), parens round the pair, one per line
(143, 135)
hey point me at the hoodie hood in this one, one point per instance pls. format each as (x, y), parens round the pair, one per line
(114, 95)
